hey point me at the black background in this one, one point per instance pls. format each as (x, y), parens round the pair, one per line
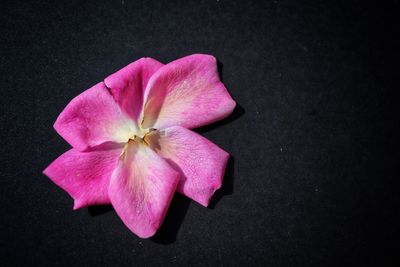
(311, 180)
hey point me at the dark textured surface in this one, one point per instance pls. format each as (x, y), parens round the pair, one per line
(311, 182)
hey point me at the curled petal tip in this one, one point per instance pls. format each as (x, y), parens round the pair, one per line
(77, 205)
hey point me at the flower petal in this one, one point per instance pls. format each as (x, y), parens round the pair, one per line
(200, 162)
(141, 189)
(186, 92)
(92, 118)
(127, 85)
(85, 175)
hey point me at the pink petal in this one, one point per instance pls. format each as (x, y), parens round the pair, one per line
(141, 189)
(200, 162)
(85, 175)
(186, 92)
(127, 85)
(92, 118)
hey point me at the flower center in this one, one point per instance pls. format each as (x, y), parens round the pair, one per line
(140, 135)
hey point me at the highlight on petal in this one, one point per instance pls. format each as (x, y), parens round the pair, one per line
(186, 92)
(127, 85)
(200, 162)
(141, 189)
(85, 175)
(92, 118)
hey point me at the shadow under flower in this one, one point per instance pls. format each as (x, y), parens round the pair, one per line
(227, 184)
(100, 209)
(168, 231)
(237, 113)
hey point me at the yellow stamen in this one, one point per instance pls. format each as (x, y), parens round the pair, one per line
(140, 138)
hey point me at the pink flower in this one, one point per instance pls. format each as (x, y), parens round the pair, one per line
(131, 143)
